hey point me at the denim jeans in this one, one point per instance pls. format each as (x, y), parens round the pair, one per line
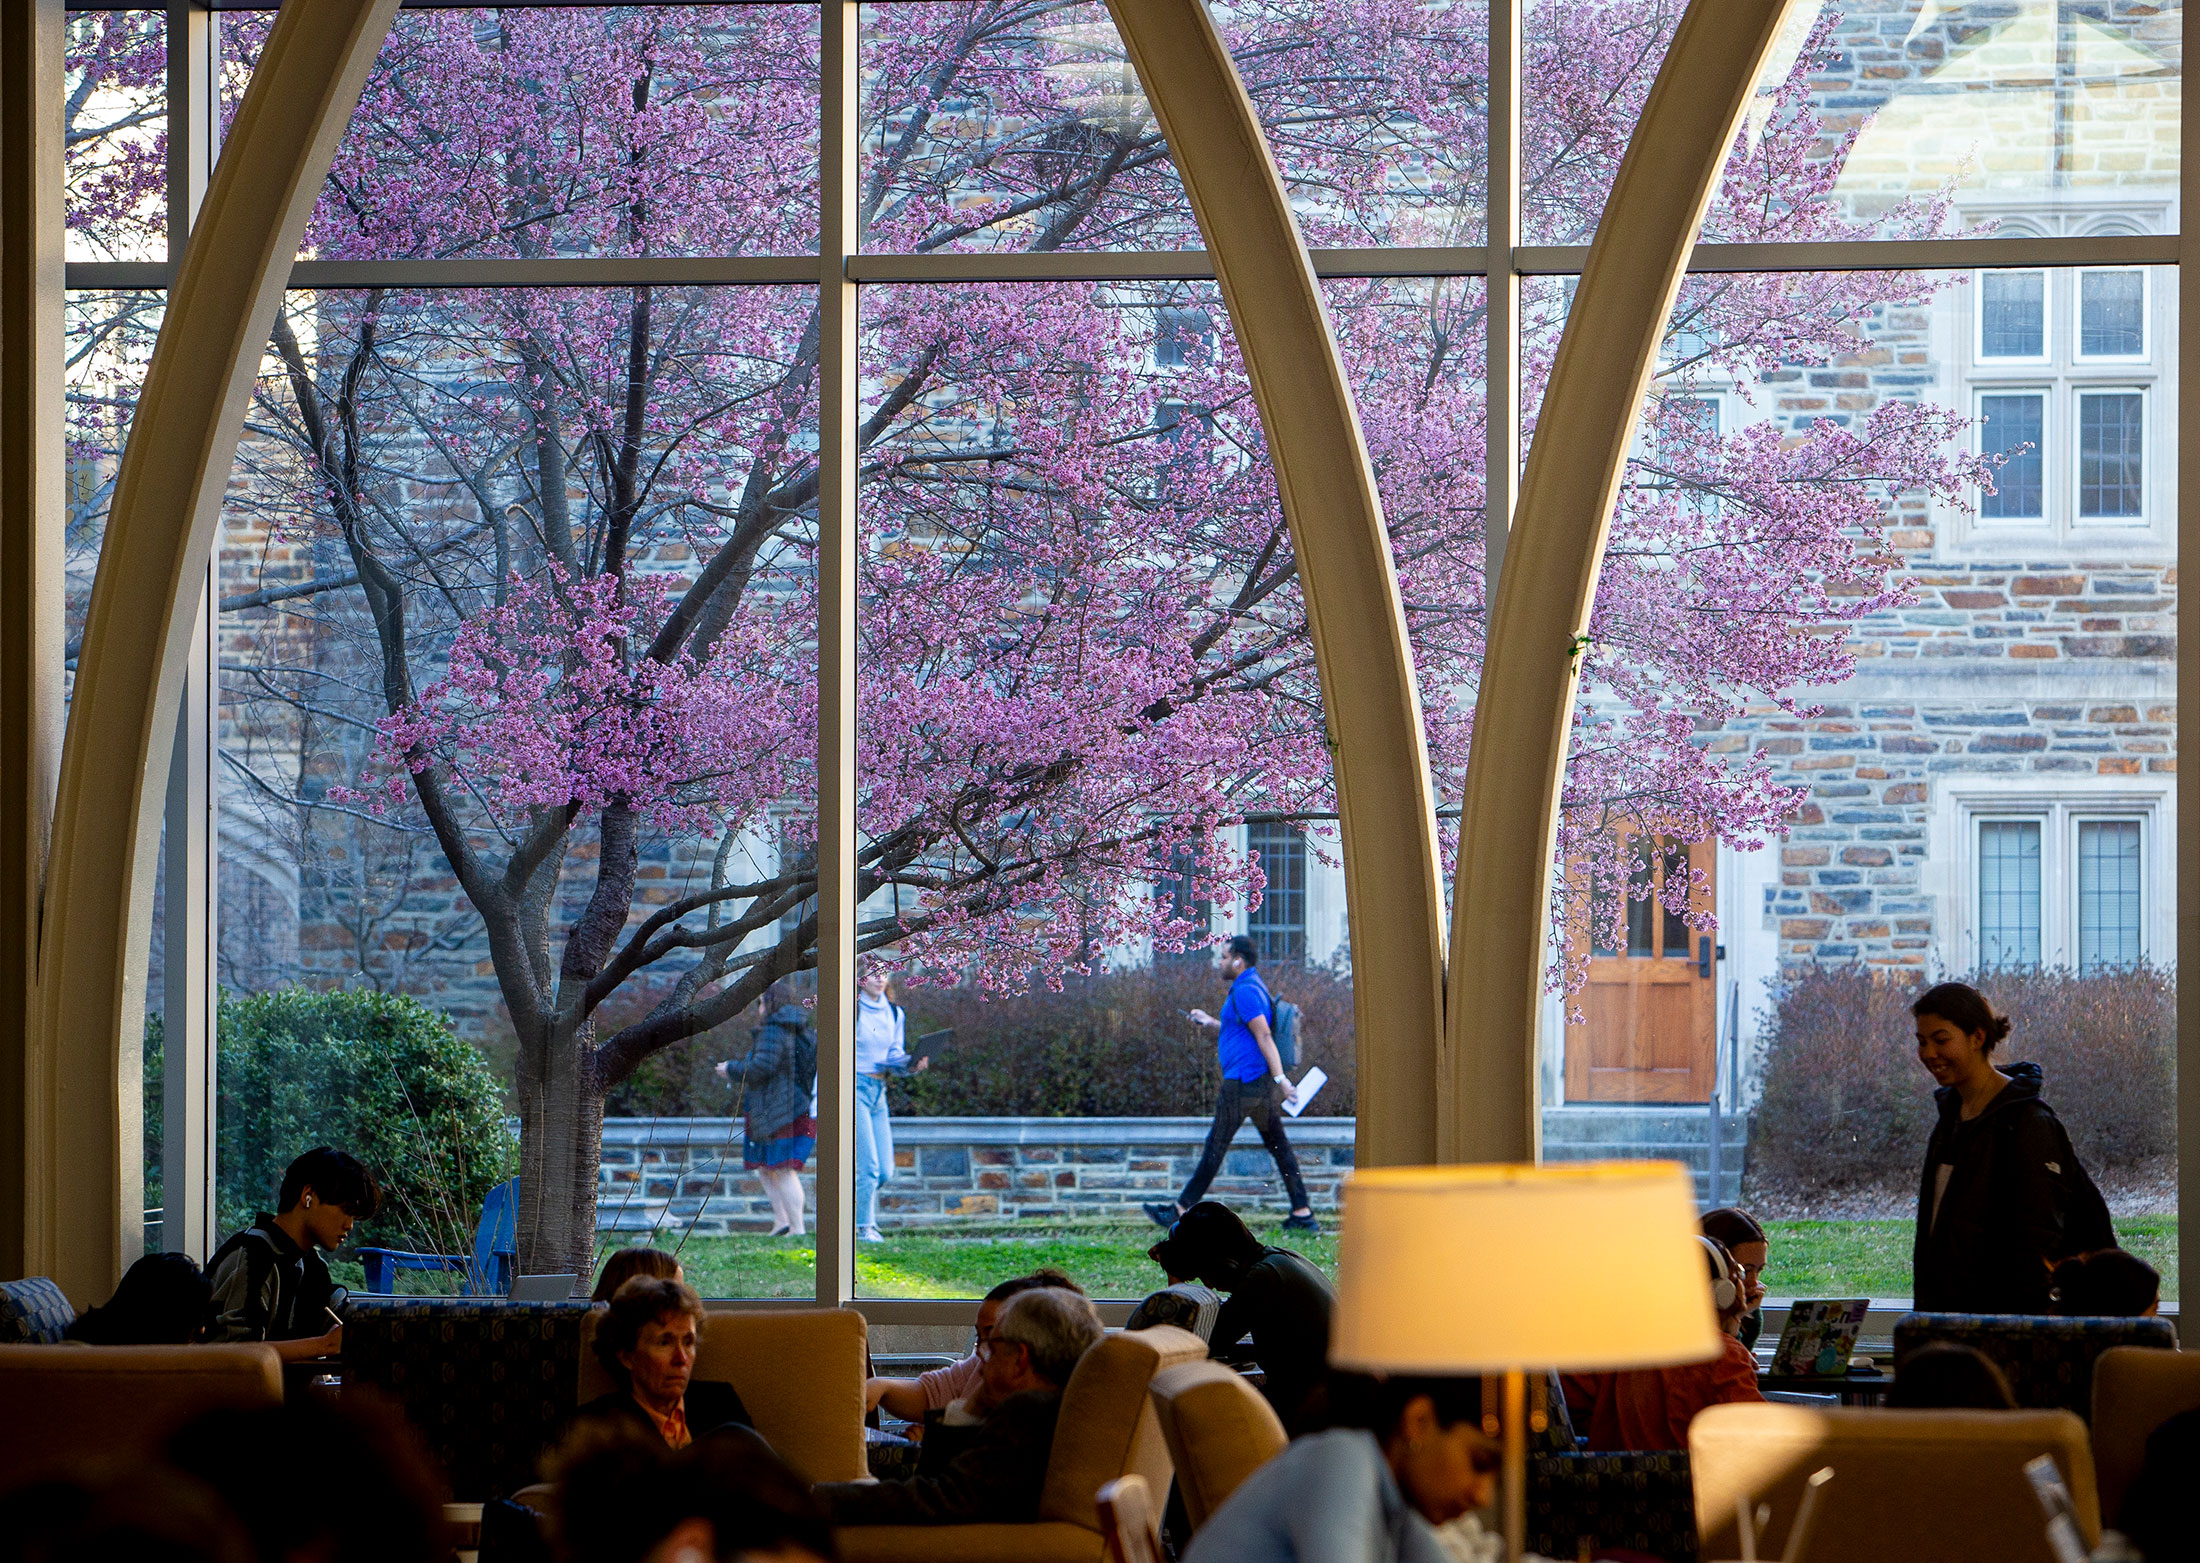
(874, 1147)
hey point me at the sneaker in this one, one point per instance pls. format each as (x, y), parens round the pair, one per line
(1163, 1214)
(870, 1235)
(1305, 1223)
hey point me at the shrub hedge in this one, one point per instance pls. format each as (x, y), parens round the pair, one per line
(1116, 1044)
(380, 1075)
(1845, 1101)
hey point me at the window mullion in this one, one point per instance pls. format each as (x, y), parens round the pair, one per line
(192, 840)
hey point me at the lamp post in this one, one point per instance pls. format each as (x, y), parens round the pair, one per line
(1499, 1269)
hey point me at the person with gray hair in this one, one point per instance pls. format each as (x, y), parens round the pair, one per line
(998, 1475)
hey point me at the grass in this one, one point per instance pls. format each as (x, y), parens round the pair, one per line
(1809, 1259)
(1872, 1258)
(1108, 1260)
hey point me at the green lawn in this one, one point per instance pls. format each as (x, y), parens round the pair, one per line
(1109, 1261)
(1809, 1259)
(1872, 1258)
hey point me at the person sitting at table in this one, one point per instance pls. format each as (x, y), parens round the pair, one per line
(626, 1263)
(1945, 1375)
(646, 1339)
(1650, 1408)
(1744, 1237)
(269, 1282)
(1275, 1296)
(162, 1301)
(998, 1476)
(2107, 1283)
(913, 1399)
(1400, 1457)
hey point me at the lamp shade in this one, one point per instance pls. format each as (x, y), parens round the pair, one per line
(1486, 1269)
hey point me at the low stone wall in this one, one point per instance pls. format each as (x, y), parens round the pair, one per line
(686, 1173)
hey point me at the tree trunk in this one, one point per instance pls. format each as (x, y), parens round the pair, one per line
(561, 1152)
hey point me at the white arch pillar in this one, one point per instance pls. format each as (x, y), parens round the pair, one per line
(84, 1119)
(1523, 719)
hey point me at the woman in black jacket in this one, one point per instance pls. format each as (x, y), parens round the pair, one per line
(2003, 1197)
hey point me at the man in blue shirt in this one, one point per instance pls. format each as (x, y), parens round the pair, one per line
(1253, 1086)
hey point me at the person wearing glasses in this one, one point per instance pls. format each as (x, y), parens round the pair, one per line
(924, 1397)
(998, 1476)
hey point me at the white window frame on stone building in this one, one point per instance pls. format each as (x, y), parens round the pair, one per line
(2060, 810)
(2062, 377)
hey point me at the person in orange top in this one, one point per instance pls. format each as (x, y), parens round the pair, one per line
(1650, 1408)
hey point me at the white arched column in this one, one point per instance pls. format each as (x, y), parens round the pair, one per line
(1500, 944)
(84, 1118)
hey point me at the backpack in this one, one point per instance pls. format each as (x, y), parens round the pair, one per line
(1286, 1031)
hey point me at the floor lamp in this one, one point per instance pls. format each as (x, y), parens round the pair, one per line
(1508, 1270)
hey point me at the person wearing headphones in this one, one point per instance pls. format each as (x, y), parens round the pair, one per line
(1650, 1408)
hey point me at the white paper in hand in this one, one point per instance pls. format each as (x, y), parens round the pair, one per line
(1314, 1079)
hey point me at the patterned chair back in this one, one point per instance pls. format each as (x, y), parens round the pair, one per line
(33, 1312)
(487, 1384)
(2048, 1361)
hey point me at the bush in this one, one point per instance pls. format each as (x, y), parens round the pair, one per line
(1114, 1045)
(379, 1075)
(1845, 1101)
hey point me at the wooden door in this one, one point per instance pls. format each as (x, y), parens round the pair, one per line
(1648, 1031)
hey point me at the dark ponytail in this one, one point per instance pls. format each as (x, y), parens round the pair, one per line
(1963, 1007)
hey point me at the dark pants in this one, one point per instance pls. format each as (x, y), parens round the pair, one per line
(1262, 1101)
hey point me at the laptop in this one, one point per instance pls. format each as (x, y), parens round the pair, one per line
(1819, 1337)
(543, 1288)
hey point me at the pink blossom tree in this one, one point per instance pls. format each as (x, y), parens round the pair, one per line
(537, 565)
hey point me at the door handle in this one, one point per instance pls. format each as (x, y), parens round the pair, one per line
(1703, 955)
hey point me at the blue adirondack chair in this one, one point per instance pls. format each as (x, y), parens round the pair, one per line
(487, 1270)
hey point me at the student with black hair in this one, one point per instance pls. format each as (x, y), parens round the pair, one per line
(269, 1282)
(1946, 1375)
(1253, 1086)
(162, 1301)
(2106, 1284)
(1284, 1303)
(1401, 1456)
(2003, 1197)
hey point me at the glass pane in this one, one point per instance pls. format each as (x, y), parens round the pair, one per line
(2012, 310)
(2011, 430)
(2112, 320)
(1898, 120)
(1007, 129)
(2109, 916)
(2009, 893)
(1677, 941)
(1642, 911)
(2111, 438)
(518, 758)
(1278, 924)
(1084, 665)
(116, 128)
(1883, 745)
(573, 130)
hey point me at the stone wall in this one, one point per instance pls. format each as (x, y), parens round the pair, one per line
(686, 1174)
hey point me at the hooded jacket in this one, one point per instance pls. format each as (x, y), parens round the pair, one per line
(2017, 1202)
